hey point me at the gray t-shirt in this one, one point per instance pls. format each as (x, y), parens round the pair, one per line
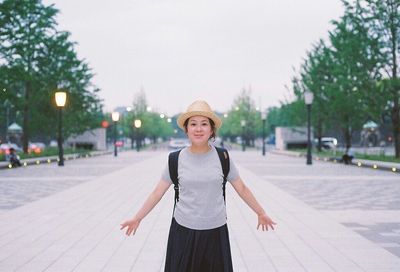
(201, 203)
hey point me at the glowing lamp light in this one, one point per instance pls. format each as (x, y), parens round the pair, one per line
(359, 164)
(138, 123)
(61, 98)
(115, 116)
(375, 166)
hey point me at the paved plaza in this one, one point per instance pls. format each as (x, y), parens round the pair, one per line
(331, 217)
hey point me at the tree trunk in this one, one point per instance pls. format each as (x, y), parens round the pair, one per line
(319, 135)
(395, 89)
(25, 123)
(347, 137)
(396, 126)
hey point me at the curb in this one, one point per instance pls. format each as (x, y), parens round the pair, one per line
(394, 168)
(53, 159)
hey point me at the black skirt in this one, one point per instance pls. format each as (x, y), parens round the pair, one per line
(191, 250)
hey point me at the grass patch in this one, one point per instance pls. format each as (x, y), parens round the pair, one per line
(339, 154)
(50, 151)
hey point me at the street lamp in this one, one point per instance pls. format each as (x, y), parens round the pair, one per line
(243, 124)
(308, 97)
(115, 118)
(138, 124)
(263, 118)
(61, 99)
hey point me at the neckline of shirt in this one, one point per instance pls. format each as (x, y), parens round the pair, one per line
(200, 154)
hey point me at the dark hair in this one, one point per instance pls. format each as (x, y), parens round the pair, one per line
(212, 124)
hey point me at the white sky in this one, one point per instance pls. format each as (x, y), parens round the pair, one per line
(183, 50)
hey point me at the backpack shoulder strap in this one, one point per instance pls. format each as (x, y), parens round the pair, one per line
(173, 172)
(225, 163)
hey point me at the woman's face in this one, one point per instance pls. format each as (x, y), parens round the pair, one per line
(199, 130)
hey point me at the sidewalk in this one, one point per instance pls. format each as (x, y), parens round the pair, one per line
(78, 229)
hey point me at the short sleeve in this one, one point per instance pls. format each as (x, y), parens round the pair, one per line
(165, 175)
(233, 172)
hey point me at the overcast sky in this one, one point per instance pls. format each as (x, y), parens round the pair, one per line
(182, 50)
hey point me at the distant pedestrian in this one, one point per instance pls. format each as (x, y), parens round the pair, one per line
(13, 158)
(198, 237)
(348, 156)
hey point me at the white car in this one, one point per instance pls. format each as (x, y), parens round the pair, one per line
(178, 143)
(328, 142)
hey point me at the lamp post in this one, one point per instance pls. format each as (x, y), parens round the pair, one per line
(308, 97)
(243, 124)
(138, 124)
(61, 99)
(263, 118)
(115, 118)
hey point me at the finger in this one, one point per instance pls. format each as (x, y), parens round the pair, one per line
(263, 227)
(272, 226)
(266, 227)
(258, 226)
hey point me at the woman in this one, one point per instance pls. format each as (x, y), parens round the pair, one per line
(198, 238)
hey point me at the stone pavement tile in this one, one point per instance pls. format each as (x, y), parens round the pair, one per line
(321, 227)
(81, 230)
(71, 214)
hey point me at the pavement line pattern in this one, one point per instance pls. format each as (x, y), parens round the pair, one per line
(77, 229)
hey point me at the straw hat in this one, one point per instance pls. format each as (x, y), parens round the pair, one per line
(201, 108)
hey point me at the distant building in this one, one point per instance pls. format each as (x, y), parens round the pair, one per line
(291, 137)
(94, 139)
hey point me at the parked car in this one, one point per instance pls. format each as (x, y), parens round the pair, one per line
(5, 148)
(270, 140)
(328, 142)
(36, 148)
(178, 143)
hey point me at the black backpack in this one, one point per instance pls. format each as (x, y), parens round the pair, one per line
(173, 169)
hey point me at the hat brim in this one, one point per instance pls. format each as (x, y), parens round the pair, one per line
(184, 116)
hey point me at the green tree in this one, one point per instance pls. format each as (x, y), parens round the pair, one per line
(42, 60)
(153, 126)
(243, 109)
(25, 26)
(343, 78)
(316, 77)
(382, 17)
(355, 62)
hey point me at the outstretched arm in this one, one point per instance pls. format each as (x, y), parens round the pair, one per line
(244, 192)
(148, 205)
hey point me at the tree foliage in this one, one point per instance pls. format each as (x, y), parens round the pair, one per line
(37, 59)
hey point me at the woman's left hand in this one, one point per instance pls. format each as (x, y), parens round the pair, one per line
(264, 221)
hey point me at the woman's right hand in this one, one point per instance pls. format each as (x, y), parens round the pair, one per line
(131, 226)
